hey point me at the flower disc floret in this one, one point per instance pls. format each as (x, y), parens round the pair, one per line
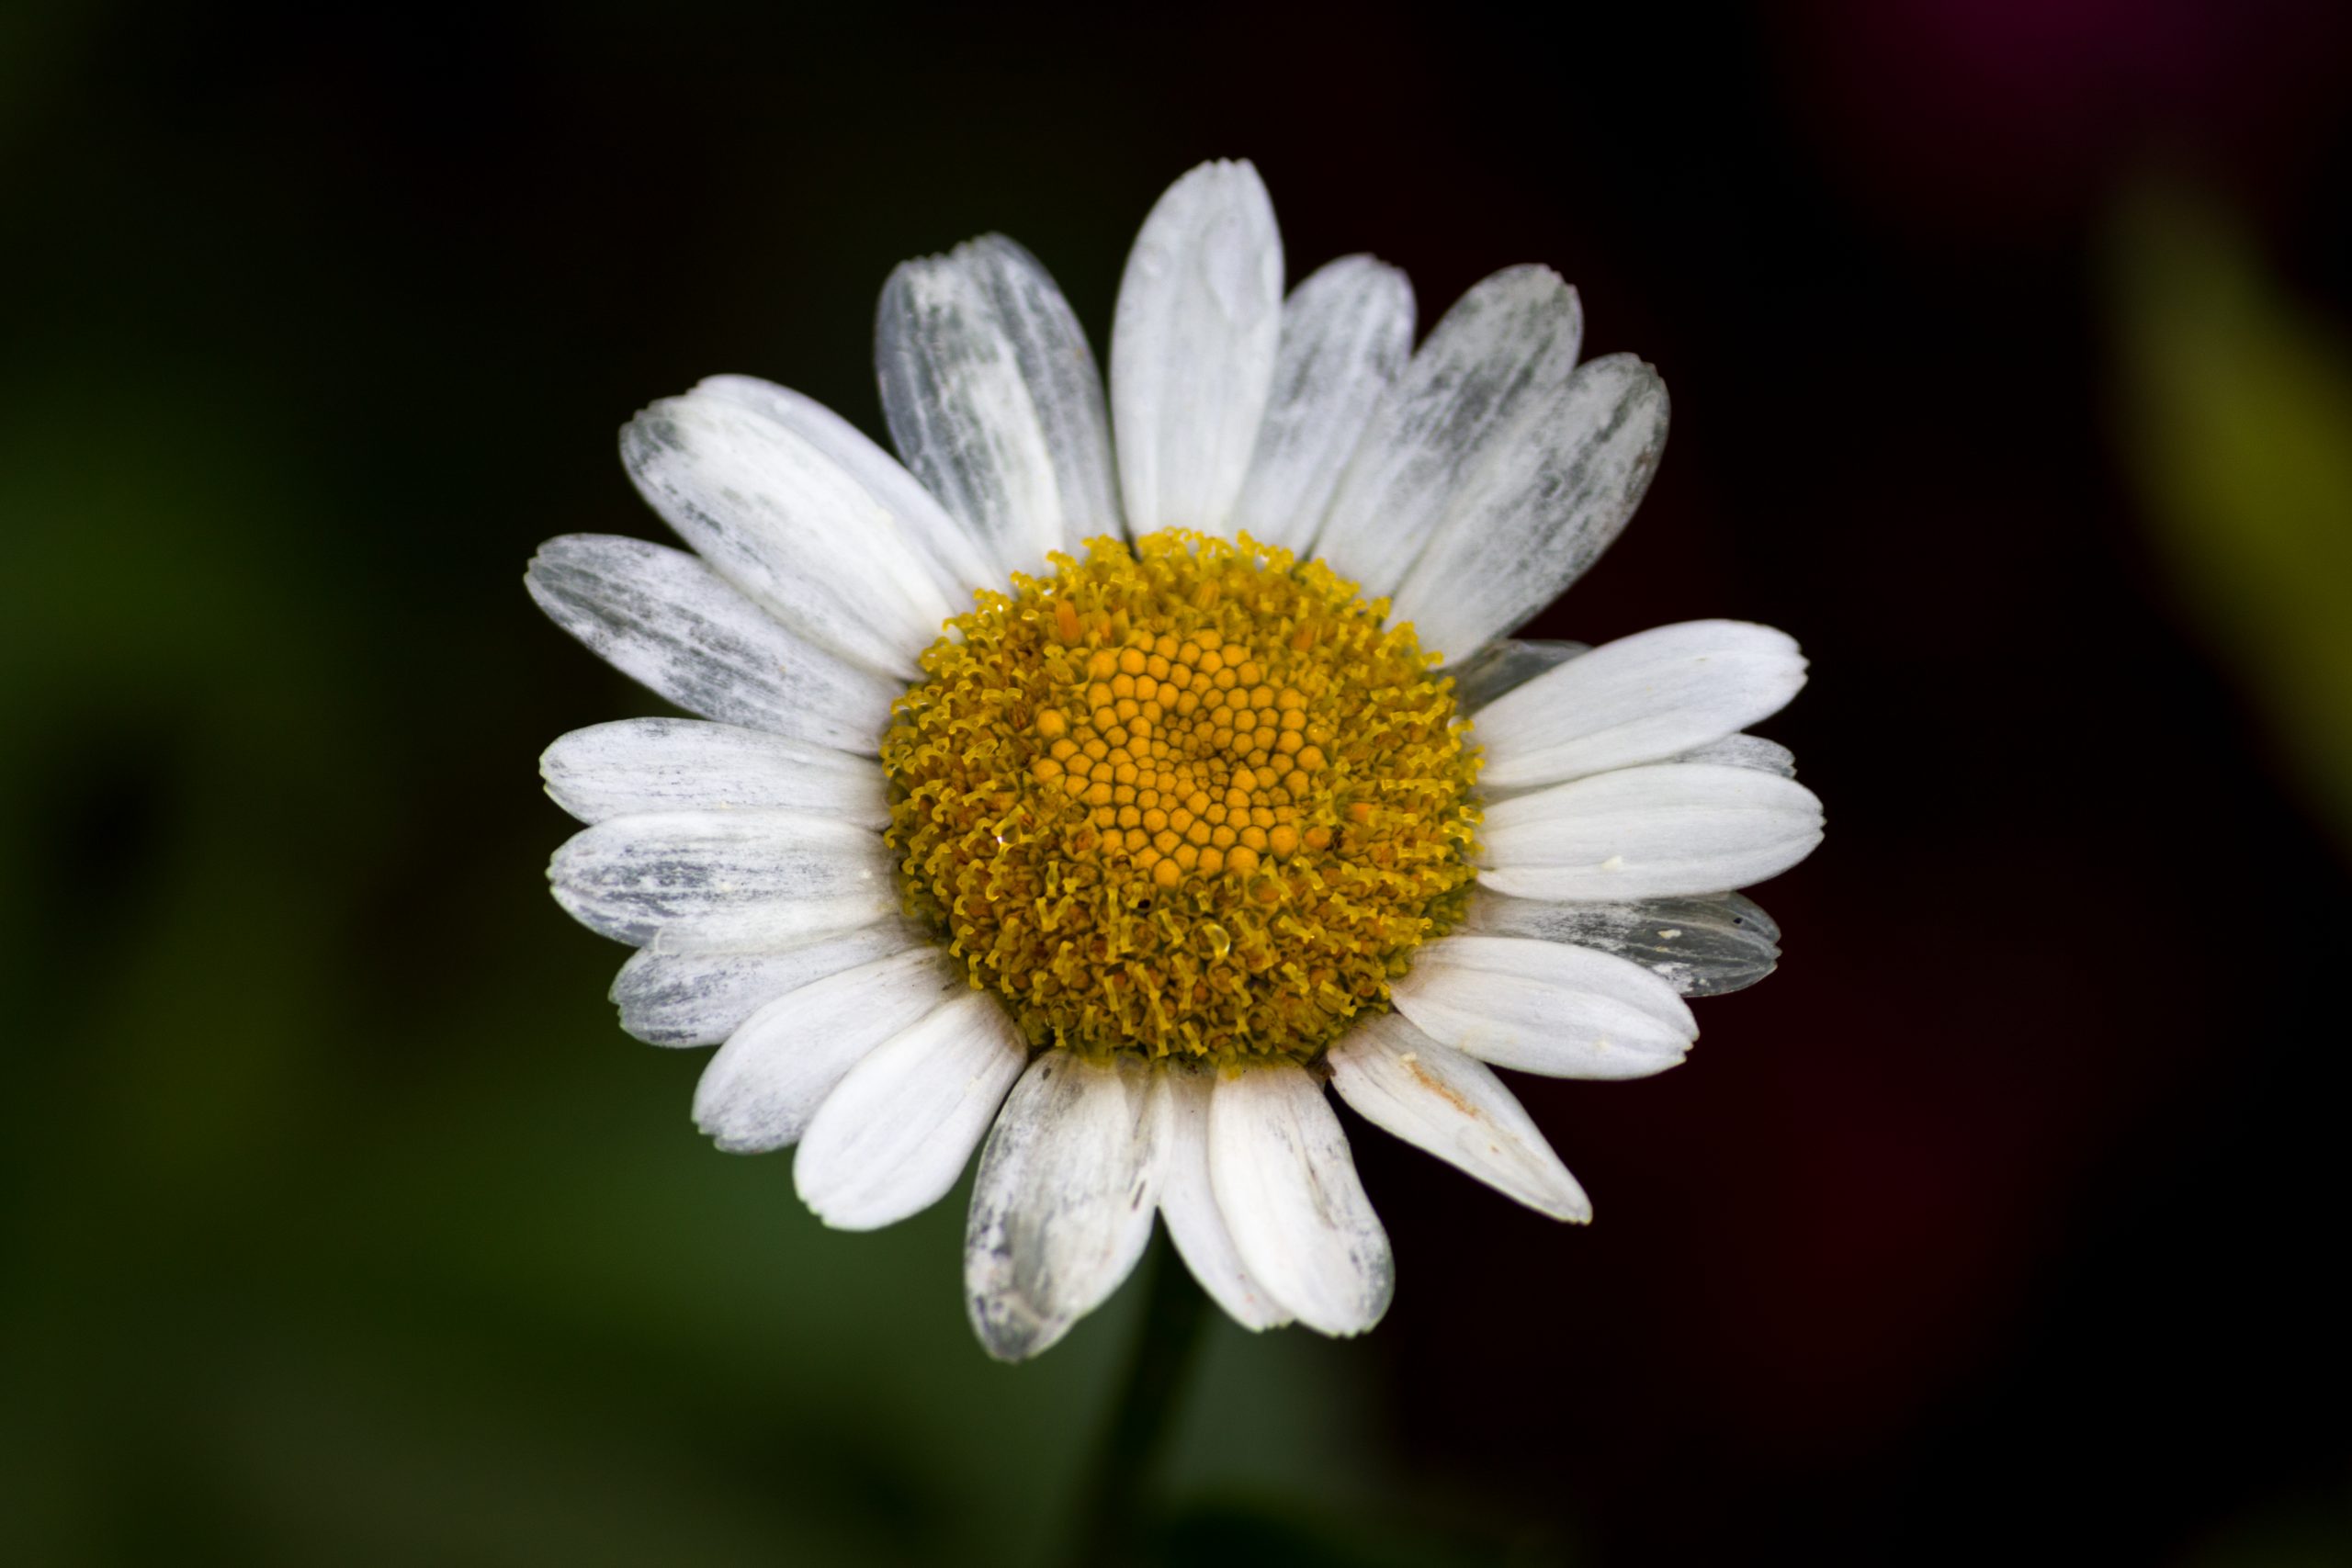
(1185, 797)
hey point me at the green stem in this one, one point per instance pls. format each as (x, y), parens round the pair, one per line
(1116, 1495)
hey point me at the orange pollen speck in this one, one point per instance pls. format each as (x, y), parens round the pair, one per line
(1183, 798)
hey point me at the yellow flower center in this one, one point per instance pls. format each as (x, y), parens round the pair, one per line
(1186, 798)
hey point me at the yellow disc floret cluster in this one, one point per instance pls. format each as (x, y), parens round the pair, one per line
(1185, 797)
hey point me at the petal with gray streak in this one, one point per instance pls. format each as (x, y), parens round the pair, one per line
(959, 560)
(759, 1089)
(1704, 946)
(637, 765)
(1345, 333)
(664, 618)
(1503, 666)
(1062, 1207)
(1555, 488)
(724, 882)
(788, 526)
(1507, 345)
(1565, 1012)
(700, 999)
(993, 400)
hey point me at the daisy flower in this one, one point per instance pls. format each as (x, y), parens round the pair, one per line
(1099, 781)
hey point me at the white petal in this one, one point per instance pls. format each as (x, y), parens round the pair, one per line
(1437, 1098)
(1640, 699)
(700, 999)
(1062, 1206)
(1565, 1012)
(1345, 333)
(1502, 667)
(1745, 751)
(759, 1089)
(1706, 945)
(994, 401)
(1186, 1199)
(1648, 832)
(892, 1139)
(724, 882)
(788, 526)
(680, 764)
(1287, 1187)
(1192, 348)
(663, 617)
(1507, 345)
(1554, 489)
(959, 560)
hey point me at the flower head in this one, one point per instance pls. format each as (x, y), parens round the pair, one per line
(1185, 800)
(1109, 810)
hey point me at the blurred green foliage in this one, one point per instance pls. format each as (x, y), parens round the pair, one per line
(2235, 406)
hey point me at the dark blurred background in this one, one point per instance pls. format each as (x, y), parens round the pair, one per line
(339, 1223)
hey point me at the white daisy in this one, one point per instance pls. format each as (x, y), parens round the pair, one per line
(1085, 806)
